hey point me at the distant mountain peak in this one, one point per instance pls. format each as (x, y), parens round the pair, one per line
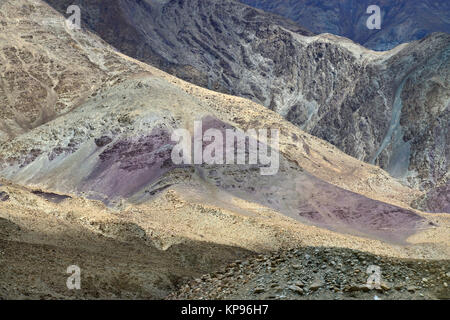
(401, 20)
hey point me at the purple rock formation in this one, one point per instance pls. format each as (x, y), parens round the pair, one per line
(129, 164)
(52, 197)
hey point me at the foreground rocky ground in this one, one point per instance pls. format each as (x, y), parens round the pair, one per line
(151, 251)
(321, 273)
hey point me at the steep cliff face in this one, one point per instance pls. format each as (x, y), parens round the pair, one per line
(402, 20)
(198, 41)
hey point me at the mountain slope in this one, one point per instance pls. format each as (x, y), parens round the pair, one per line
(43, 76)
(387, 108)
(401, 21)
(116, 146)
(96, 186)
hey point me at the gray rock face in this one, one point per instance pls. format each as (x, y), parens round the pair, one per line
(198, 41)
(387, 108)
(402, 20)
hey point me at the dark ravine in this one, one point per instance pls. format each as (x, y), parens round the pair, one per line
(328, 86)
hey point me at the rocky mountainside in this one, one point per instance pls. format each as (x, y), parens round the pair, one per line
(96, 185)
(116, 147)
(401, 21)
(37, 81)
(389, 108)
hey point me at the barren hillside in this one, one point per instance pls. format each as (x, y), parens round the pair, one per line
(95, 185)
